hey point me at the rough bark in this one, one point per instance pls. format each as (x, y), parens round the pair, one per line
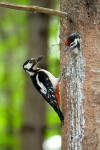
(34, 104)
(83, 18)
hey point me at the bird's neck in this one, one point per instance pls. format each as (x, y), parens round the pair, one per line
(31, 72)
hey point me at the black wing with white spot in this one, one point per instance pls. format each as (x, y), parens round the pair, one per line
(47, 91)
(46, 88)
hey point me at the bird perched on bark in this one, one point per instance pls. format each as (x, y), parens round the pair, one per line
(73, 43)
(46, 84)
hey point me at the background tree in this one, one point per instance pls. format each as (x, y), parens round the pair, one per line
(11, 77)
(34, 108)
(14, 31)
(83, 17)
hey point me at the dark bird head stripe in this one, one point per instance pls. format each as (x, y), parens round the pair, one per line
(31, 63)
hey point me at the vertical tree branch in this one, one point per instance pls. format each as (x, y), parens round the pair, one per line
(34, 108)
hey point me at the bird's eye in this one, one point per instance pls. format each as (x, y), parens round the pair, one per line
(31, 61)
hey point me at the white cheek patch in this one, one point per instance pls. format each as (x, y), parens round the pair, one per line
(28, 66)
(75, 41)
(43, 89)
(73, 44)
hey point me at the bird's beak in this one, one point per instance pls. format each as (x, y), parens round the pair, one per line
(35, 61)
(39, 59)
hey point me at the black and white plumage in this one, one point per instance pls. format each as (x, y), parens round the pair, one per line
(73, 42)
(45, 83)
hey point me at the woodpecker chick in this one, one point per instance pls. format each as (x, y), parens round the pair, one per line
(73, 43)
(46, 84)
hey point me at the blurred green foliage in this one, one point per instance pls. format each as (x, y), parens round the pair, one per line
(13, 51)
(13, 35)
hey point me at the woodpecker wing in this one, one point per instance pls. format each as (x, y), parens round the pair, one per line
(47, 91)
(46, 88)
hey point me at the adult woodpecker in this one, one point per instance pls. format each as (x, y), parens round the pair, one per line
(46, 84)
(73, 43)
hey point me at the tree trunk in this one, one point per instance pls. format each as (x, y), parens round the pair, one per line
(34, 105)
(81, 87)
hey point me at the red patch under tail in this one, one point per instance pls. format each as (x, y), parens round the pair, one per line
(58, 94)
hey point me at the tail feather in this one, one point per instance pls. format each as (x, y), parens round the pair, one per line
(60, 114)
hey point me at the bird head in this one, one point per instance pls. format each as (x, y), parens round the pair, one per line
(31, 64)
(73, 41)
